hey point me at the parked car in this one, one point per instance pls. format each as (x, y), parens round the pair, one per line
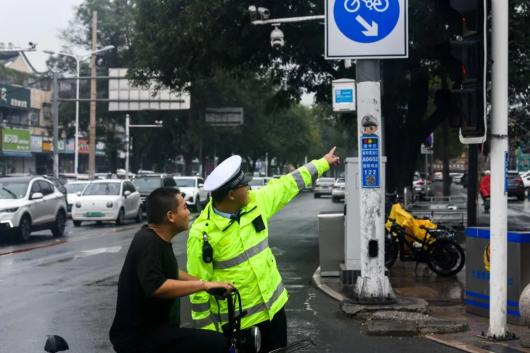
(338, 191)
(146, 183)
(323, 186)
(526, 179)
(31, 203)
(515, 185)
(74, 189)
(107, 200)
(193, 189)
(258, 182)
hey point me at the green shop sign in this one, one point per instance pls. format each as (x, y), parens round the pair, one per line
(14, 97)
(16, 140)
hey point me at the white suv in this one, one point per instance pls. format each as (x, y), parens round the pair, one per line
(31, 203)
(193, 190)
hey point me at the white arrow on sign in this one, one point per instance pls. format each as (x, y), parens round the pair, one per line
(371, 30)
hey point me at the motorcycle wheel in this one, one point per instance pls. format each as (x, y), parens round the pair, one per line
(391, 250)
(446, 258)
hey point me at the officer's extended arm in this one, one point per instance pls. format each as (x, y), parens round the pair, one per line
(278, 192)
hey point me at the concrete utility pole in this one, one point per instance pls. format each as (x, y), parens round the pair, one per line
(499, 161)
(372, 286)
(92, 128)
(55, 112)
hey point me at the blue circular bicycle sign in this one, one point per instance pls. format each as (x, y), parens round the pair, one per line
(366, 21)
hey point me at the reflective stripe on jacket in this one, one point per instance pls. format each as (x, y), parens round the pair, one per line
(241, 255)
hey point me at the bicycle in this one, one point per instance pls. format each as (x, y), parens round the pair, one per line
(352, 6)
(248, 340)
(438, 249)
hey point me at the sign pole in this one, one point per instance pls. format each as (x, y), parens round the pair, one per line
(499, 161)
(372, 286)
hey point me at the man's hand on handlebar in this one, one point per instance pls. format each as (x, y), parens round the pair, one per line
(218, 288)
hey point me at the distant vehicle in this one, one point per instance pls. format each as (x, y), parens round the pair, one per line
(193, 189)
(339, 190)
(438, 176)
(74, 189)
(258, 182)
(421, 186)
(31, 203)
(146, 183)
(456, 177)
(515, 185)
(323, 186)
(463, 180)
(107, 200)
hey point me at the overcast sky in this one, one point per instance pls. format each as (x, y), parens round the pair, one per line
(38, 21)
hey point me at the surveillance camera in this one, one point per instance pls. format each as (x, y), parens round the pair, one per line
(277, 38)
(264, 13)
(253, 12)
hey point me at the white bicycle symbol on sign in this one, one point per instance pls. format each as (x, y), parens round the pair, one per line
(353, 6)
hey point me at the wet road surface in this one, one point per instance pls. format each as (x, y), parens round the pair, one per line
(68, 287)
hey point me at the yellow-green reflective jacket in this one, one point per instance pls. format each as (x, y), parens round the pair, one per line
(241, 255)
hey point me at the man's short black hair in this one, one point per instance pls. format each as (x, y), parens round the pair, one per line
(159, 203)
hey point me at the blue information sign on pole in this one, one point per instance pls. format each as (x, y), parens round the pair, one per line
(344, 96)
(370, 170)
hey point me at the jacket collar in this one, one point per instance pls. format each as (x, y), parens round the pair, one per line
(249, 212)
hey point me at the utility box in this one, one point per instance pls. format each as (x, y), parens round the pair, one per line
(330, 243)
(477, 296)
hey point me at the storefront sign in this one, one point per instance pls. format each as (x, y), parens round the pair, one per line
(70, 146)
(100, 148)
(14, 97)
(16, 140)
(36, 144)
(47, 145)
(83, 146)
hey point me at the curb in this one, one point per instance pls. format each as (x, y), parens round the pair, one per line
(325, 288)
(457, 345)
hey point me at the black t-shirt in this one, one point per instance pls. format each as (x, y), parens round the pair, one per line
(150, 261)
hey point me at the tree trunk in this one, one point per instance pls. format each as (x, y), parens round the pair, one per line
(445, 156)
(188, 159)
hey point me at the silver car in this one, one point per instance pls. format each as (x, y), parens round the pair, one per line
(338, 191)
(31, 203)
(323, 186)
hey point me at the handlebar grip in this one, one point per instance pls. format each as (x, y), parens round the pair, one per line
(219, 292)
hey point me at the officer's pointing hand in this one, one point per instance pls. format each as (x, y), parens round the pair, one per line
(331, 158)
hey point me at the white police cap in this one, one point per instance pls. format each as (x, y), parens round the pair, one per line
(227, 175)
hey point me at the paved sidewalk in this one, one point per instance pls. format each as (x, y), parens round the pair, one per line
(445, 303)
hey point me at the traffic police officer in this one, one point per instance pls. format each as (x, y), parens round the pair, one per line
(229, 242)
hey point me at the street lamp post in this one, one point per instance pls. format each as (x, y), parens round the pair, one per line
(77, 61)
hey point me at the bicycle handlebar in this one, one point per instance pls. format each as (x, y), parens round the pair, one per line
(221, 293)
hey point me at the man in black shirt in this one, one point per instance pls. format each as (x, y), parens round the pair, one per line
(147, 309)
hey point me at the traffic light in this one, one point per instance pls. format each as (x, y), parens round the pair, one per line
(464, 56)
